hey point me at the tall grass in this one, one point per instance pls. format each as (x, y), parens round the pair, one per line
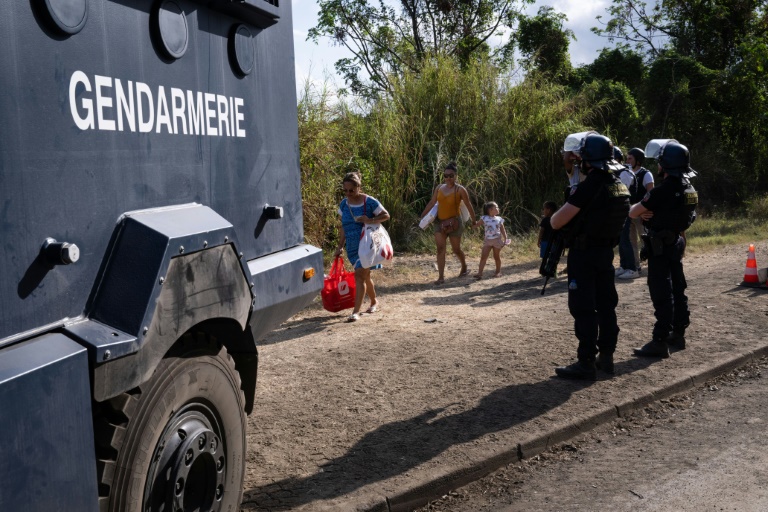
(712, 230)
(324, 149)
(504, 135)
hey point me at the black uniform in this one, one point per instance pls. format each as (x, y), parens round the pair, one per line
(604, 203)
(673, 203)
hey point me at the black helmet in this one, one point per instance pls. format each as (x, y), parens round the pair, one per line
(675, 159)
(597, 150)
(638, 154)
(617, 154)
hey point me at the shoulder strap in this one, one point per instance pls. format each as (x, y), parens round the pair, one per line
(365, 206)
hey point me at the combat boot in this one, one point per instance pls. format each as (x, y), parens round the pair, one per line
(605, 362)
(654, 348)
(580, 370)
(676, 340)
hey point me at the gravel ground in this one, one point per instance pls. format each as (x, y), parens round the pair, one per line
(443, 377)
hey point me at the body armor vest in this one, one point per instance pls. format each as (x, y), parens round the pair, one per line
(603, 218)
(681, 213)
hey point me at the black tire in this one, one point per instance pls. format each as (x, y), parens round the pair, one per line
(176, 443)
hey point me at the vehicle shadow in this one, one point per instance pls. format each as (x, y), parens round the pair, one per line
(400, 446)
(303, 326)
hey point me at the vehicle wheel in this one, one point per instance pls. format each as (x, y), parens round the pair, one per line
(177, 442)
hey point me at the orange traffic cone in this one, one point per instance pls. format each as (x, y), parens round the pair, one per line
(750, 273)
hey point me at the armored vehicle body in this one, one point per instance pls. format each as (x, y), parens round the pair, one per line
(152, 232)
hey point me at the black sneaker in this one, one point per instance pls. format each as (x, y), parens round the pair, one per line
(605, 362)
(580, 370)
(654, 348)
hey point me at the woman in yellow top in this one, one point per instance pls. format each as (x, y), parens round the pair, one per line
(448, 196)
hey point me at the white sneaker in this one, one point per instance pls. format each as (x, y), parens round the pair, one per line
(629, 274)
(619, 271)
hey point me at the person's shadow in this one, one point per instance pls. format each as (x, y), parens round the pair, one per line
(399, 446)
(527, 289)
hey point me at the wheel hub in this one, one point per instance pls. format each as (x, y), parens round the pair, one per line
(188, 470)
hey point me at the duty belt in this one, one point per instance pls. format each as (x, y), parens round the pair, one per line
(667, 236)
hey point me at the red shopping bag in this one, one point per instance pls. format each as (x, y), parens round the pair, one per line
(338, 288)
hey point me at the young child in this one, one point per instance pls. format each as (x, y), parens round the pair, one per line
(545, 230)
(495, 237)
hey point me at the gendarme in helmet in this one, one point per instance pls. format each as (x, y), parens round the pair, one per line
(638, 154)
(675, 160)
(597, 151)
(617, 154)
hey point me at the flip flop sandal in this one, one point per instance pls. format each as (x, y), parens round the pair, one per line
(372, 309)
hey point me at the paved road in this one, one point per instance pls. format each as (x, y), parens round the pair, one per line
(703, 451)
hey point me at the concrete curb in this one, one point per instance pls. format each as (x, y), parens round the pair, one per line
(422, 492)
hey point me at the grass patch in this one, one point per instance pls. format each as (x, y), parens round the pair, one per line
(750, 224)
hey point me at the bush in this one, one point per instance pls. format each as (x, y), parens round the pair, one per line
(504, 135)
(757, 209)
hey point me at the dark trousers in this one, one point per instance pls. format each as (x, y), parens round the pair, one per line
(626, 251)
(666, 283)
(592, 300)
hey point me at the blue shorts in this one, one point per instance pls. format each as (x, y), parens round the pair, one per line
(543, 249)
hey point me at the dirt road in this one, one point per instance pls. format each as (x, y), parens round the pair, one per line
(350, 415)
(702, 450)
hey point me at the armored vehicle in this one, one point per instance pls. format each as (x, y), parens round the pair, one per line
(151, 233)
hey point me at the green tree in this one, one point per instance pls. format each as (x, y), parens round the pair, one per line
(744, 105)
(681, 95)
(544, 43)
(707, 84)
(620, 65)
(388, 39)
(709, 31)
(620, 118)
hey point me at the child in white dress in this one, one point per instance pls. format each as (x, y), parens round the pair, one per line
(495, 237)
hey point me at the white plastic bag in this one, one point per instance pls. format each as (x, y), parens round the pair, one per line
(429, 218)
(464, 211)
(375, 246)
